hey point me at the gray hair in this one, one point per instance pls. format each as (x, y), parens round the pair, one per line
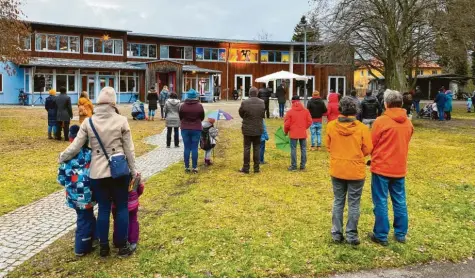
(348, 106)
(392, 98)
(253, 92)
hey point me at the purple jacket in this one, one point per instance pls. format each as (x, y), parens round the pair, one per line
(191, 115)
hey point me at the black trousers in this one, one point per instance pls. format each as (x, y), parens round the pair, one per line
(255, 142)
(62, 125)
(169, 136)
(449, 115)
(266, 103)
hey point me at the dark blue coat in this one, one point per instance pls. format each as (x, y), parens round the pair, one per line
(50, 106)
(440, 100)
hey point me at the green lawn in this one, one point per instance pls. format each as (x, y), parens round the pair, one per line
(223, 224)
(29, 161)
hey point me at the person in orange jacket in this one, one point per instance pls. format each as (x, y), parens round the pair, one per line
(391, 135)
(296, 122)
(332, 111)
(349, 142)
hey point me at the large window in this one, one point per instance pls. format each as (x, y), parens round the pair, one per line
(176, 52)
(210, 54)
(299, 57)
(1, 83)
(101, 46)
(66, 79)
(129, 83)
(60, 43)
(43, 80)
(25, 43)
(141, 50)
(273, 56)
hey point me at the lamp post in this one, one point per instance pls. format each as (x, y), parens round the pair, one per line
(305, 63)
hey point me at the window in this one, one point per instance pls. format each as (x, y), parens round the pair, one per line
(272, 56)
(210, 54)
(43, 82)
(66, 79)
(25, 43)
(1, 83)
(419, 72)
(60, 43)
(100, 46)
(299, 57)
(129, 83)
(434, 72)
(141, 50)
(176, 52)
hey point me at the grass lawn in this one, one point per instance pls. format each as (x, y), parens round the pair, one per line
(220, 223)
(28, 161)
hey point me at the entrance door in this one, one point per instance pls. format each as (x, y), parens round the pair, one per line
(88, 84)
(242, 84)
(338, 84)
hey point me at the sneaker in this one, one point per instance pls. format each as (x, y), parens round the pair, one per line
(104, 251)
(319, 148)
(187, 170)
(168, 146)
(95, 243)
(244, 171)
(126, 250)
(79, 255)
(354, 242)
(400, 239)
(302, 168)
(257, 171)
(133, 246)
(338, 240)
(292, 169)
(312, 148)
(377, 241)
(194, 171)
(177, 146)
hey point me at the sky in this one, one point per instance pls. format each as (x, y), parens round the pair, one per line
(227, 19)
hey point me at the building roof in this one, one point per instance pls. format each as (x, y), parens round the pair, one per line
(75, 26)
(378, 64)
(201, 39)
(193, 68)
(78, 63)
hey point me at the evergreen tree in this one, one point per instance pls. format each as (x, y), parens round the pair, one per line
(313, 32)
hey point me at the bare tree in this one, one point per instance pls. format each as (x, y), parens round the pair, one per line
(263, 36)
(14, 34)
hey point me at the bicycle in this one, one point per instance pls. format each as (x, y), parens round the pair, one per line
(22, 97)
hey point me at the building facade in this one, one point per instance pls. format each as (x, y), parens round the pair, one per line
(88, 59)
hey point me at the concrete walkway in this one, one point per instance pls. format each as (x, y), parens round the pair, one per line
(29, 229)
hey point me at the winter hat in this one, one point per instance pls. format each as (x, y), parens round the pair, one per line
(347, 106)
(192, 94)
(211, 120)
(107, 96)
(295, 99)
(52, 92)
(73, 132)
(316, 93)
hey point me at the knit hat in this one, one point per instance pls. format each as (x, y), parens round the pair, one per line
(52, 92)
(316, 93)
(253, 92)
(73, 132)
(107, 96)
(295, 99)
(192, 94)
(211, 120)
(348, 106)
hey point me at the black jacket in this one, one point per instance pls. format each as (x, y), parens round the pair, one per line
(50, 106)
(418, 95)
(264, 94)
(280, 94)
(380, 97)
(252, 112)
(152, 98)
(65, 111)
(370, 108)
(317, 107)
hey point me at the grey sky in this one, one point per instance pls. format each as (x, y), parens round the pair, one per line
(235, 19)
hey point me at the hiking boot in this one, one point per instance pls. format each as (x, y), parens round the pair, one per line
(292, 169)
(244, 171)
(400, 239)
(354, 242)
(104, 251)
(126, 250)
(377, 241)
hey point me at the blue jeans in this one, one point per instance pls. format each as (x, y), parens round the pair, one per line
(281, 109)
(380, 186)
(316, 132)
(191, 139)
(151, 113)
(52, 129)
(440, 111)
(263, 150)
(416, 106)
(85, 231)
(293, 152)
(108, 191)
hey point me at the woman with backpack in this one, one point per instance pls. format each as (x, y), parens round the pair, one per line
(85, 107)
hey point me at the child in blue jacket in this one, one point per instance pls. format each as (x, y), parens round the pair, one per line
(264, 138)
(74, 176)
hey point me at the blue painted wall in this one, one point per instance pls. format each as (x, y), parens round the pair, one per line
(11, 84)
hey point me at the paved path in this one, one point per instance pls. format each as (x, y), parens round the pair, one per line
(29, 229)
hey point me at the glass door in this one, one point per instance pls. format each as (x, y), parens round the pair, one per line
(106, 81)
(337, 84)
(243, 84)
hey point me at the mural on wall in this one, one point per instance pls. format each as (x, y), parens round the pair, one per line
(285, 57)
(243, 55)
(264, 56)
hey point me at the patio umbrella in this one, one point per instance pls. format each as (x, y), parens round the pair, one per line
(282, 141)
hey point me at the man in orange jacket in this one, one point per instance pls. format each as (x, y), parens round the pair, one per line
(296, 122)
(349, 142)
(391, 135)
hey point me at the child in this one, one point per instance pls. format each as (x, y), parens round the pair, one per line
(133, 206)
(208, 139)
(264, 138)
(138, 110)
(74, 176)
(52, 109)
(469, 104)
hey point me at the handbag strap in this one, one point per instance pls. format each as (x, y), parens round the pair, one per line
(98, 138)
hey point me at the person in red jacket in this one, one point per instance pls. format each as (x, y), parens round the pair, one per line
(296, 122)
(332, 110)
